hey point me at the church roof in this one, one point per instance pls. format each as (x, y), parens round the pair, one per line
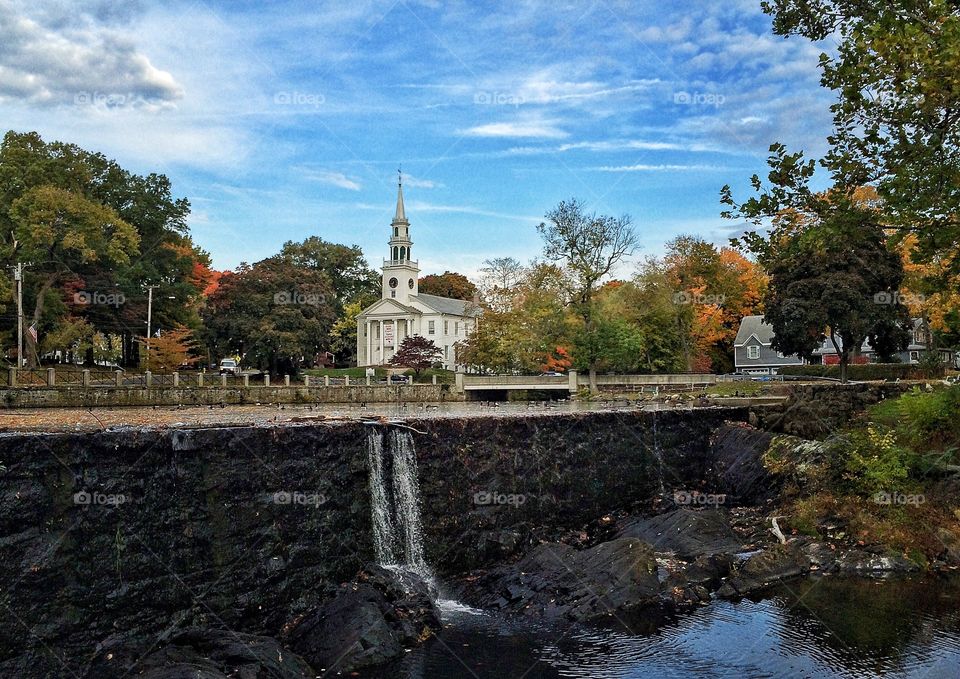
(447, 305)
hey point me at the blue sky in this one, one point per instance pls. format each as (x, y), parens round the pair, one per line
(284, 120)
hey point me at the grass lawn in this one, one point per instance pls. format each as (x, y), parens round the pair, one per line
(443, 376)
(744, 388)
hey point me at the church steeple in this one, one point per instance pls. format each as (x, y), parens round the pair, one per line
(401, 215)
(400, 270)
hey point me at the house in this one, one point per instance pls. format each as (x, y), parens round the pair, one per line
(753, 354)
(919, 343)
(752, 350)
(402, 311)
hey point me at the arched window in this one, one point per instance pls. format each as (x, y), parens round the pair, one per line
(395, 254)
(403, 251)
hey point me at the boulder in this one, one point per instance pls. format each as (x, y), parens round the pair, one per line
(688, 533)
(764, 569)
(857, 561)
(370, 621)
(200, 654)
(555, 580)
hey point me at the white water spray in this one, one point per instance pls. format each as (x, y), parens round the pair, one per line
(395, 502)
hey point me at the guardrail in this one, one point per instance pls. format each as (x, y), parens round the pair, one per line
(50, 377)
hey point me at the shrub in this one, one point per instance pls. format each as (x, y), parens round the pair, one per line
(874, 461)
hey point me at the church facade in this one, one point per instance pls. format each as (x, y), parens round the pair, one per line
(402, 311)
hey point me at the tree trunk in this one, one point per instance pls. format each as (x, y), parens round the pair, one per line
(33, 356)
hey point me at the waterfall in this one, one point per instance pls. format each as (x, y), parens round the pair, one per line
(395, 502)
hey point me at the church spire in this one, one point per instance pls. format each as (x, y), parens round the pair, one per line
(400, 215)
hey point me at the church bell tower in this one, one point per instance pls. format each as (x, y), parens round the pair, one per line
(400, 271)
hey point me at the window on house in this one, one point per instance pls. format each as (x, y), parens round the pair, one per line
(914, 356)
(753, 352)
(446, 351)
(431, 327)
(446, 327)
(456, 328)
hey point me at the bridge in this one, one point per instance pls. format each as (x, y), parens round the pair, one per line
(572, 382)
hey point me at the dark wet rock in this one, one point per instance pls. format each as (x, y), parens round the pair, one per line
(823, 556)
(688, 533)
(709, 570)
(738, 458)
(861, 561)
(370, 621)
(200, 654)
(951, 546)
(555, 580)
(764, 569)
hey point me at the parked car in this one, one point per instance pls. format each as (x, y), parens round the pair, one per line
(228, 366)
(398, 378)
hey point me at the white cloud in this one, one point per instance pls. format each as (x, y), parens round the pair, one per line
(332, 178)
(640, 167)
(86, 63)
(532, 129)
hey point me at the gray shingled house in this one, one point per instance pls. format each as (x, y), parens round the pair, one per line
(752, 353)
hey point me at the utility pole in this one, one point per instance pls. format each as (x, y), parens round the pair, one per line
(150, 314)
(18, 277)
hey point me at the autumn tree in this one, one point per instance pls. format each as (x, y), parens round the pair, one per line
(588, 247)
(60, 232)
(417, 353)
(895, 73)
(171, 350)
(447, 284)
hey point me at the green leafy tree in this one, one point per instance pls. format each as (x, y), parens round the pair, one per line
(417, 353)
(447, 284)
(274, 314)
(588, 247)
(896, 73)
(60, 232)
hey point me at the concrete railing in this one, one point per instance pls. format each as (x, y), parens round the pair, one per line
(572, 381)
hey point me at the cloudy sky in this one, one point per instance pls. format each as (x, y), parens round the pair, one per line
(282, 120)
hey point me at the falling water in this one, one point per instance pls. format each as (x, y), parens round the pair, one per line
(381, 511)
(658, 454)
(395, 501)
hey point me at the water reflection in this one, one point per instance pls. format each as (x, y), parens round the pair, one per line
(825, 627)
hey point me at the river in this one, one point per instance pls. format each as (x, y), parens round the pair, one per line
(818, 627)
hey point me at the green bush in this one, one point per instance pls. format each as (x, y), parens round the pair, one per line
(928, 417)
(869, 371)
(874, 461)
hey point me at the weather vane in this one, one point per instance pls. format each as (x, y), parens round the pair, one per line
(399, 176)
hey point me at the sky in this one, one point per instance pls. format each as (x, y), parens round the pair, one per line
(282, 120)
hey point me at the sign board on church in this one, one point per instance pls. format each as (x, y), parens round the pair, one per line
(388, 333)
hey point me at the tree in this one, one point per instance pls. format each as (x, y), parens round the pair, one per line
(348, 272)
(62, 232)
(172, 349)
(343, 334)
(166, 255)
(416, 352)
(501, 276)
(895, 72)
(831, 270)
(447, 284)
(275, 314)
(588, 247)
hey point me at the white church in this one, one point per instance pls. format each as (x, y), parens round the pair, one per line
(402, 311)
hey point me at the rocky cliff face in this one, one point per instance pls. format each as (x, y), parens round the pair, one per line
(132, 534)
